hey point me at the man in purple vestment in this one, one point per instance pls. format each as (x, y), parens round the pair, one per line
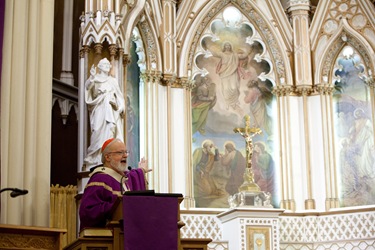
(108, 182)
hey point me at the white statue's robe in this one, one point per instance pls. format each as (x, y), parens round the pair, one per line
(105, 118)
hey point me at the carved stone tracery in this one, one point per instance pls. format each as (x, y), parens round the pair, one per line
(148, 38)
(324, 89)
(333, 52)
(151, 76)
(282, 90)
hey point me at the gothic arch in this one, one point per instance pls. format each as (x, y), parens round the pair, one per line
(262, 25)
(130, 20)
(345, 35)
(151, 44)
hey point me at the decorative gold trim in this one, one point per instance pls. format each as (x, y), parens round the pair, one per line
(102, 184)
(258, 238)
(85, 50)
(168, 80)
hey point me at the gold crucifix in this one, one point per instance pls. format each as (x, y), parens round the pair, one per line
(248, 133)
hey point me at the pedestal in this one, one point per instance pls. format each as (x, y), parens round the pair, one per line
(251, 228)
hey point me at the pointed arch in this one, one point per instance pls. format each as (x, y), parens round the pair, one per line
(345, 35)
(262, 24)
(130, 21)
(152, 50)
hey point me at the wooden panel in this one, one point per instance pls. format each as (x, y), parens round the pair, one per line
(24, 237)
(97, 243)
(194, 244)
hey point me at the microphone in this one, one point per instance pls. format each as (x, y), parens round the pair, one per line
(17, 192)
(122, 181)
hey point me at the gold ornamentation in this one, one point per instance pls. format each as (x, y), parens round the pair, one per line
(248, 133)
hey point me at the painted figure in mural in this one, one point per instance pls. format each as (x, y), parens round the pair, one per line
(203, 163)
(248, 133)
(106, 107)
(264, 169)
(349, 176)
(203, 100)
(259, 96)
(235, 164)
(227, 69)
(357, 157)
(361, 137)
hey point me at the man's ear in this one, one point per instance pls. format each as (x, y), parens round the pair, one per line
(107, 157)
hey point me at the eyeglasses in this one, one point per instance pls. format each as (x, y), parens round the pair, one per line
(126, 152)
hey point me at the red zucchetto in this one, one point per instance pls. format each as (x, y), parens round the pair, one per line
(105, 144)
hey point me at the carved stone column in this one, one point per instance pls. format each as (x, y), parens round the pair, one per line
(282, 94)
(123, 61)
(112, 53)
(98, 47)
(169, 80)
(306, 91)
(151, 79)
(299, 11)
(169, 37)
(121, 69)
(325, 90)
(82, 111)
(66, 71)
(370, 82)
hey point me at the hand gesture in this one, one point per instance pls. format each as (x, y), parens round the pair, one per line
(143, 164)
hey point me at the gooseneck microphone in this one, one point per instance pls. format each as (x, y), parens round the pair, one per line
(15, 191)
(122, 181)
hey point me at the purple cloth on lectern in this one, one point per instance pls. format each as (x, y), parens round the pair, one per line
(102, 193)
(150, 222)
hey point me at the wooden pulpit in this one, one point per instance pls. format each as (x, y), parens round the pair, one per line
(141, 220)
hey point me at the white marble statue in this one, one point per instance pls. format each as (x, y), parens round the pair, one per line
(106, 105)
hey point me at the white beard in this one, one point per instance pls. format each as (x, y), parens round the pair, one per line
(118, 166)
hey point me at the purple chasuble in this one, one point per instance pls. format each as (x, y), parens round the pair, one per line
(102, 193)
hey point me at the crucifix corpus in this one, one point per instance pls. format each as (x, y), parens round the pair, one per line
(248, 133)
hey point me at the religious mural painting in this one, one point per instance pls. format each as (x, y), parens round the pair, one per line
(231, 81)
(132, 108)
(354, 131)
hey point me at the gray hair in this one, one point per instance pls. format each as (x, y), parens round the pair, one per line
(106, 149)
